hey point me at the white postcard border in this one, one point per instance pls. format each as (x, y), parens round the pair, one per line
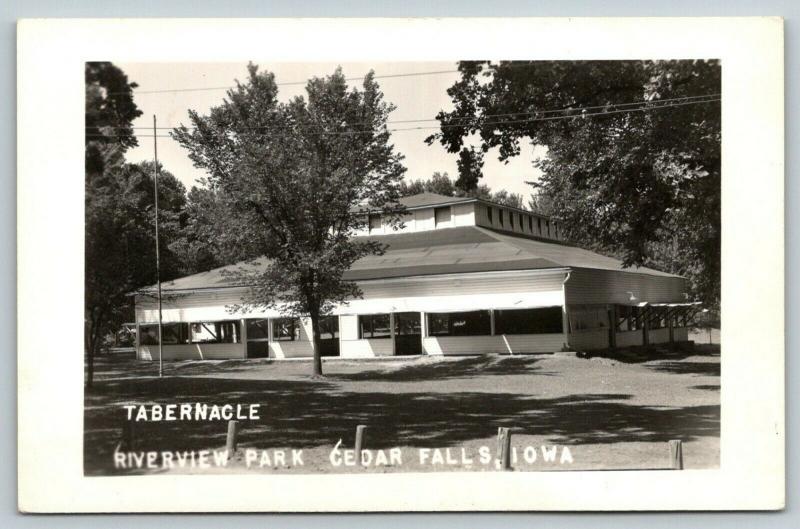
(50, 187)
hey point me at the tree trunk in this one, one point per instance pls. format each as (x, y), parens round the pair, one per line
(316, 343)
(90, 369)
(91, 341)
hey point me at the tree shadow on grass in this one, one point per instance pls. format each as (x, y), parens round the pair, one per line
(709, 369)
(111, 368)
(706, 387)
(305, 414)
(474, 366)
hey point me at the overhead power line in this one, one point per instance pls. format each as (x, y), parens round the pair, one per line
(290, 83)
(298, 83)
(482, 124)
(610, 106)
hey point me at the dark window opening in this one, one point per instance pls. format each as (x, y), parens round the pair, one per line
(329, 328)
(680, 319)
(173, 334)
(539, 224)
(215, 332)
(257, 330)
(520, 221)
(285, 329)
(442, 215)
(374, 326)
(473, 323)
(489, 214)
(657, 318)
(407, 323)
(530, 223)
(547, 320)
(500, 216)
(374, 222)
(628, 318)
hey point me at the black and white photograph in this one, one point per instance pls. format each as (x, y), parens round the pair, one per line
(486, 272)
(394, 267)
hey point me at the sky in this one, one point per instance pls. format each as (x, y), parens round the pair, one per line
(416, 97)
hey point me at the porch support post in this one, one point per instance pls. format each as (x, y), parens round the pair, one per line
(491, 322)
(339, 327)
(423, 330)
(270, 339)
(671, 327)
(137, 343)
(391, 333)
(612, 327)
(243, 336)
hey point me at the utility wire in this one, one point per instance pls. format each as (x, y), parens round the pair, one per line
(654, 103)
(297, 83)
(477, 124)
(507, 114)
(290, 83)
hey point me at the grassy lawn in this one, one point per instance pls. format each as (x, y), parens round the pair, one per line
(610, 414)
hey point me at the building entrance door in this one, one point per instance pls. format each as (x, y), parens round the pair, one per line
(329, 336)
(407, 333)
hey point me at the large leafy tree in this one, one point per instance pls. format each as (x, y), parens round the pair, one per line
(110, 111)
(120, 243)
(300, 176)
(210, 234)
(637, 180)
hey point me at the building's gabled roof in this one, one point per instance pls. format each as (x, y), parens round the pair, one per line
(426, 199)
(466, 249)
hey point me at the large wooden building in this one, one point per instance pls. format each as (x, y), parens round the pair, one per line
(464, 276)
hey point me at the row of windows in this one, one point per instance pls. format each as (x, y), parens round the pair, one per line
(283, 330)
(510, 220)
(634, 318)
(197, 332)
(468, 323)
(506, 219)
(378, 326)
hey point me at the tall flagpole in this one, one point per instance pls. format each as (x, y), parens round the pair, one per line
(158, 261)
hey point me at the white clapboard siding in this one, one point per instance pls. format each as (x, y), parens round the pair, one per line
(464, 215)
(456, 303)
(655, 336)
(298, 349)
(483, 283)
(680, 334)
(424, 220)
(196, 351)
(629, 338)
(589, 339)
(194, 306)
(445, 293)
(367, 348)
(500, 344)
(594, 286)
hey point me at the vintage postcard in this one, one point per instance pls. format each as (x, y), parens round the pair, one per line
(539, 270)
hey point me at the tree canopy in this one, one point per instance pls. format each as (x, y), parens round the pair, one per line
(633, 152)
(120, 242)
(299, 177)
(110, 111)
